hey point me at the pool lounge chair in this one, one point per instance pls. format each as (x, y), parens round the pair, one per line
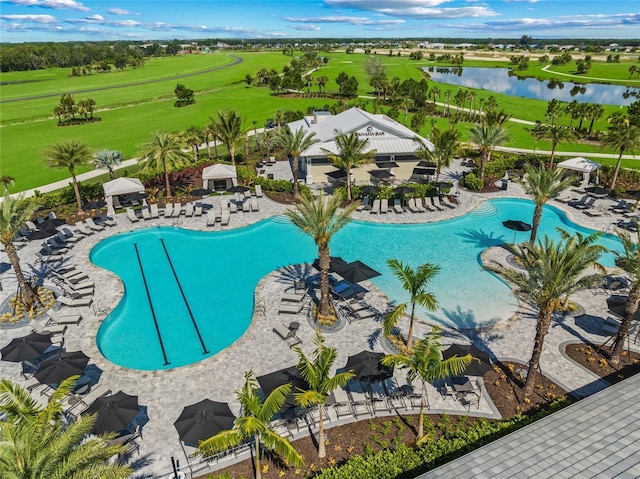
(589, 203)
(287, 335)
(48, 258)
(384, 205)
(146, 214)
(224, 218)
(54, 317)
(397, 206)
(435, 206)
(411, 204)
(66, 239)
(364, 204)
(247, 194)
(197, 210)
(292, 297)
(211, 217)
(420, 205)
(132, 215)
(53, 330)
(599, 210)
(375, 209)
(254, 204)
(246, 207)
(188, 210)
(444, 200)
(177, 210)
(579, 202)
(290, 308)
(168, 210)
(83, 228)
(105, 220)
(92, 225)
(259, 191)
(74, 303)
(69, 235)
(154, 210)
(233, 207)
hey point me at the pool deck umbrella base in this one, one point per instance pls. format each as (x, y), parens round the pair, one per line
(114, 412)
(62, 366)
(202, 420)
(481, 363)
(26, 347)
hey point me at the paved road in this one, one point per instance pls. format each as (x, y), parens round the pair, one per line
(236, 61)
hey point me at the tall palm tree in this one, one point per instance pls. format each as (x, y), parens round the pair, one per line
(622, 137)
(556, 134)
(628, 260)
(425, 363)
(6, 181)
(163, 153)
(37, 442)
(446, 145)
(254, 424)
(70, 154)
(13, 213)
(211, 132)
(552, 272)
(230, 131)
(320, 219)
(108, 159)
(194, 137)
(351, 154)
(415, 282)
(486, 137)
(294, 143)
(316, 371)
(542, 184)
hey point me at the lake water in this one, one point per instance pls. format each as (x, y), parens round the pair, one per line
(499, 80)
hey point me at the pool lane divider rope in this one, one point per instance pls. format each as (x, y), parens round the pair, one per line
(184, 297)
(153, 313)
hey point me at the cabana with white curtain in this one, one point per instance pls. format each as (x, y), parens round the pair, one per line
(582, 165)
(219, 177)
(120, 186)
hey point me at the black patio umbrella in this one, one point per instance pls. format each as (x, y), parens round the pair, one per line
(337, 174)
(356, 271)
(137, 196)
(404, 190)
(94, 205)
(443, 185)
(335, 262)
(617, 304)
(201, 192)
(41, 234)
(387, 164)
(51, 223)
(425, 164)
(26, 347)
(114, 412)
(423, 171)
(516, 226)
(60, 367)
(238, 189)
(481, 363)
(202, 420)
(597, 191)
(367, 368)
(381, 174)
(371, 190)
(290, 375)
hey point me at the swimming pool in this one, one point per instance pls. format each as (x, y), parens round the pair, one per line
(189, 294)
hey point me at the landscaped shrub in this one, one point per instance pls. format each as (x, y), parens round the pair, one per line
(472, 182)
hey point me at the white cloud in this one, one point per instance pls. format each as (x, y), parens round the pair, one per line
(97, 18)
(424, 9)
(342, 19)
(118, 11)
(520, 1)
(54, 4)
(30, 18)
(305, 27)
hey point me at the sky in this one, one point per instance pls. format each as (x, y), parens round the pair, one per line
(67, 20)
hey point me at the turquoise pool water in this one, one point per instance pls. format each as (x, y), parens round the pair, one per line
(199, 286)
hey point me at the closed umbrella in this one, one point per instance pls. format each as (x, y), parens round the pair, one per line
(367, 368)
(62, 366)
(481, 363)
(516, 226)
(290, 375)
(114, 412)
(356, 271)
(202, 420)
(26, 347)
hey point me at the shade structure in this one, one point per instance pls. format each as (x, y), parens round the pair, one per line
(238, 189)
(371, 190)
(515, 226)
(579, 164)
(290, 375)
(122, 186)
(356, 271)
(597, 191)
(335, 262)
(51, 223)
(481, 363)
(41, 234)
(367, 368)
(62, 366)
(26, 347)
(94, 205)
(202, 420)
(137, 196)
(114, 412)
(404, 190)
(387, 164)
(381, 174)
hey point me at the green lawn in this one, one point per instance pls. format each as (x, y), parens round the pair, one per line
(600, 72)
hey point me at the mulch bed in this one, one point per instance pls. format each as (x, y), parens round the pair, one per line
(281, 197)
(596, 360)
(372, 435)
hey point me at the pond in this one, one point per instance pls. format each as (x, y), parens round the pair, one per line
(501, 80)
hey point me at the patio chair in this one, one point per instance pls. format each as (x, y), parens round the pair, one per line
(254, 204)
(57, 245)
(116, 203)
(211, 217)
(47, 258)
(579, 202)
(74, 302)
(104, 219)
(168, 210)
(434, 205)
(197, 210)
(132, 215)
(445, 200)
(364, 204)
(85, 400)
(397, 206)
(55, 331)
(290, 308)
(177, 210)
(233, 207)
(292, 297)
(63, 238)
(384, 205)
(600, 210)
(411, 204)
(375, 208)
(61, 320)
(154, 210)
(83, 228)
(247, 194)
(188, 210)
(92, 225)
(246, 207)
(146, 214)
(259, 191)
(287, 335)
(589, 203)
(420, 205)
(224, 218)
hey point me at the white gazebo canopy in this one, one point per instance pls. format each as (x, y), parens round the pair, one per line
(122, 186)
(219, 176)
(579, 164)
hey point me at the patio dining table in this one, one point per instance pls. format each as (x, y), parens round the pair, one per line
(463, 386)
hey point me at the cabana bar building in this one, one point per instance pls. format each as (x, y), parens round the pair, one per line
(393, 142)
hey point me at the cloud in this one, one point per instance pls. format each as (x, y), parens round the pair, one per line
(423, 9)
(54, 4)
(97, 18)
(342, 19)
(520, 1)
(305, 27)
(118, 11)
(30, 18)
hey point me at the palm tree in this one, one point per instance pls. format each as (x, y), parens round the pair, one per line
(446, 145)
(211, 132)
(194, 137)
(6, 181)
(294, 143)
(70, 155)
(230, 131)
(425, 362)
(622, 136)
(542, 184)
(254, 424)
(163, 153)
(351, 154)
(594, 114)
(38, 442)
(108, 159)
(628, 260)
(486, 137)
(320, 219)
(316, 371)
(556, 134)
(13, 213)
(552, 272)
(415, 282)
